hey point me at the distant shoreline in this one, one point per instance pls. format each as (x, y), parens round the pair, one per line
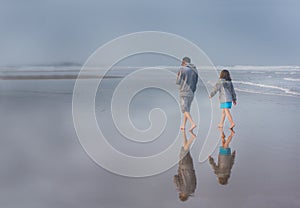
(29, 77)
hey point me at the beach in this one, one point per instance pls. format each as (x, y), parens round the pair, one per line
(44, 165)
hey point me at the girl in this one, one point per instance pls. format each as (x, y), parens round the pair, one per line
(225, 159)
(226, 95)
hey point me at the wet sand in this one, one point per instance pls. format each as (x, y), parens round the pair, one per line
(44, 165)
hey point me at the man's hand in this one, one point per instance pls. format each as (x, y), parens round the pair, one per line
(234, 102)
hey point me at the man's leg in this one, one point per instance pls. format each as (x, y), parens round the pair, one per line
(189, 117)
(182, 127)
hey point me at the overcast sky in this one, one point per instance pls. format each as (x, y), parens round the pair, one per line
(231, 32)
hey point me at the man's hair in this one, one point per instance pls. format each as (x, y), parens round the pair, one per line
(183, 197)
(186, 59)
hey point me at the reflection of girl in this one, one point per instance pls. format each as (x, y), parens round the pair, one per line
(225, 160)
(185, 180)
(226, 95)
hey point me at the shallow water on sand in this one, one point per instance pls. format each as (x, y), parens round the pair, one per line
(44, 165)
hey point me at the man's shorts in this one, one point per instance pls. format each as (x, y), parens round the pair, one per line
(185, 103)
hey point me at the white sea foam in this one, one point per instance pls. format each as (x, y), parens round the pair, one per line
(285, 90)
(258, 72)
(267, 68)
(291, 79)
(263, 93)
(282, 72)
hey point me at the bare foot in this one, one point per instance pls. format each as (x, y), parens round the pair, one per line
(232, 126)
(232, 131)
(192, 127)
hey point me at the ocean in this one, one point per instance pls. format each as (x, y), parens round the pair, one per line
(269, 80)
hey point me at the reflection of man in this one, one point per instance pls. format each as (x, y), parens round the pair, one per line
(187, 79)
(225, 159)
(185, 180)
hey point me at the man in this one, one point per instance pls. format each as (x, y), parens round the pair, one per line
(185, 180)
(187, 79)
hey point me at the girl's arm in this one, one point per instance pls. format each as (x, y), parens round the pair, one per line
(212, 163)
(233, 94)
(232, 159)
(215, 89)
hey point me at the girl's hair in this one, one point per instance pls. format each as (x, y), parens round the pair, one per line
(223, 180)
(225, 75)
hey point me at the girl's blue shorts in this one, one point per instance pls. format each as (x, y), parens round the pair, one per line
(225, 105)
(224, 151)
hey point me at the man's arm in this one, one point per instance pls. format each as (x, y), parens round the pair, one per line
(194, 82)
(176, 181)
(179, 78)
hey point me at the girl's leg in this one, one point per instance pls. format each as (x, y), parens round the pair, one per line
(229, 139)
(228, 115)
(222, 119)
